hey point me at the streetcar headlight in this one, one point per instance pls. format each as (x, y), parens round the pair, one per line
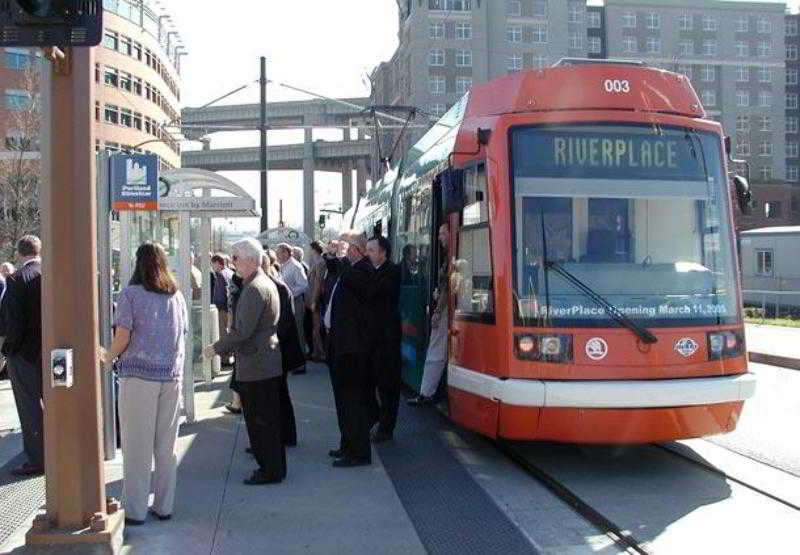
(725, 344)
(543, 348)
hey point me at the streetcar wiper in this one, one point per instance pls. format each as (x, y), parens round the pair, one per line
(643, 333)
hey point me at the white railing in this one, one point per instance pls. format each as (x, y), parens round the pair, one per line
(773, 295)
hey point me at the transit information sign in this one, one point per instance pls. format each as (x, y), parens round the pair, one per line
(134, 182)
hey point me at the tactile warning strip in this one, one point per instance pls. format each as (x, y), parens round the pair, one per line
(19, 498)
(451, 513)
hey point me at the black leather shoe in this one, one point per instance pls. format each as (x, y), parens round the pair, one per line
(336, 453)
(348, 462)
(379, 436)
(133, 522)
(258, 478)
(420, 401)
(158, 515)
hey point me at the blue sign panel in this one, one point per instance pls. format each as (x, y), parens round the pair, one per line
(134, 181)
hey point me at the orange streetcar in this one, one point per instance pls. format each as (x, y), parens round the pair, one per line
(594, 286)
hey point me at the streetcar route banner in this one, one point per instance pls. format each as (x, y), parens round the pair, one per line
(134, 182)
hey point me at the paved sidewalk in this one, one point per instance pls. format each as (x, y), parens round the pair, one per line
(317, 509)
(775, 345)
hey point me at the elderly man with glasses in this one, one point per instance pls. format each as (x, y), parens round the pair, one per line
(253, 338)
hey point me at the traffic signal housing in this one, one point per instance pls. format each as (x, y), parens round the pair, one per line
(51, 22)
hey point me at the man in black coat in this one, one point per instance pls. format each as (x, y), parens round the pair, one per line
(346, 322)
(385, 331)
(22, 315)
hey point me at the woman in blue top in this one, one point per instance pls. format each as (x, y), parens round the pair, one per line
(149, 341)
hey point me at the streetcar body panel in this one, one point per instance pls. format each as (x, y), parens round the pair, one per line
(595, 182)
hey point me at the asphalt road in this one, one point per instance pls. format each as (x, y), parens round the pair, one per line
(767, 430)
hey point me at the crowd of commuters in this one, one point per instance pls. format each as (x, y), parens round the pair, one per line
(276, 312)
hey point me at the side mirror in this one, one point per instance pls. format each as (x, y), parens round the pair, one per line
(453, 194)
(743, 194)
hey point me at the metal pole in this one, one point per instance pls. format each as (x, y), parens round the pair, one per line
(263, 133)
(104, 260)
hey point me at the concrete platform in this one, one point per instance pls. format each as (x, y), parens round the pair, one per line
(775, 345)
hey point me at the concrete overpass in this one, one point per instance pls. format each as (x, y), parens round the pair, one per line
(342, 156)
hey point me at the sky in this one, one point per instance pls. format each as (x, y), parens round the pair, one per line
(321, 46)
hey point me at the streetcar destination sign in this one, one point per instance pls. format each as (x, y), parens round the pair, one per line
(673, 155)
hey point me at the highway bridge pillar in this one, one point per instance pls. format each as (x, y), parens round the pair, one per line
(347, 185)
(361, 176)
(308, 184)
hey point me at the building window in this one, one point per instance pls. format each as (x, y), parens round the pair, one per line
(111, 40)
(463, 58)
(137, 86)
(742, 49)
(126, 117)
(742, 98)
(707, 74)
(685, 69)
(709, 48)
(792, 173)
(17, 100)
(111, 113)
(685, 22)
(595, 45)
(137, 121)
(436, 31)
(791, 77)
(709, 98)
(743, 74)
(450, 5)
(629, 20)
(539, 8)
(765, 172)
(137, 51)
(111, 77)
(792, 124)
(709, 23)
(463, 84)
(791, 27)
(17, 60)
(629, 45)
(764, 49)
(436, 57)
(764, 75)
(764, 262)
(791, 101)
(772, 209)
(653, 45)
(436, 84)
(539, 61)
(437, 109)
(575, 41)
(575, 13)
(791, 52)
(765, 123)
(652, 21)
(764, 26)
(792, 149)
(514, 33)
(126, 46)
(514, 62)
(742, 124)
(743, 149)
(594, 20)
(765, 148)
(742, 24)
(125, 81)
(463, 31)
(514, 8)
(685, 47)
(539, 32)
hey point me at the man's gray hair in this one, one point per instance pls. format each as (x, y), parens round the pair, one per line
(248, 248)
(284, 247)
(355, 238)
(298, 253)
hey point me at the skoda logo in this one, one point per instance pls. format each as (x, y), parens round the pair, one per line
(686, 346)
(596, 348)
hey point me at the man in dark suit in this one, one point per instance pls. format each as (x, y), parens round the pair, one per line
(383, 359)
(22, 315)
(346, 322)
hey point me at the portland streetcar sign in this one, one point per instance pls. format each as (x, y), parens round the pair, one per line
(134, 182)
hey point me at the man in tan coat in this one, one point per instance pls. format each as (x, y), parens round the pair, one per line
(253, 338)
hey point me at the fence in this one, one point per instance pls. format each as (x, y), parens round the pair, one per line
(790, 300)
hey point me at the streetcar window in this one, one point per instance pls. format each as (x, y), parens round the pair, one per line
(471, 278)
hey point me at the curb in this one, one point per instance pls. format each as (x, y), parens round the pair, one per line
(774, 360)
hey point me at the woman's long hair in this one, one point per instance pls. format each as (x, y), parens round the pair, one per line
(152, 271)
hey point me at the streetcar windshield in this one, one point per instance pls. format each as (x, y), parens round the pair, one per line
(637, 213)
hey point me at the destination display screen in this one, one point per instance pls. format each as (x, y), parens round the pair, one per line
(605, 154)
